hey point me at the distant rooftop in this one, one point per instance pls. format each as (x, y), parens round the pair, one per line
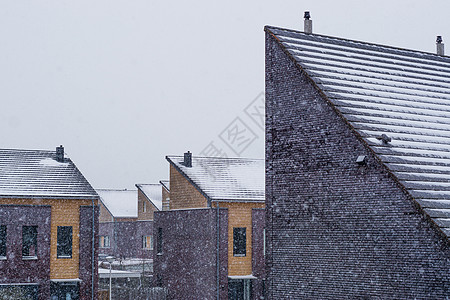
(153, 192)
(165, 184)
(37, 173)
(397, 100)
(120, 203)
(225, 179)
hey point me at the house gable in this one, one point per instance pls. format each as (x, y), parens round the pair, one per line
(395, 100)
(336, 228)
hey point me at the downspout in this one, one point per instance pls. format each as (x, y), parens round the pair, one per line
(93, 249)
(218, 250)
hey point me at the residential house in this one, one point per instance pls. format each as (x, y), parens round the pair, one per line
(357, 169)
(48, 225)
(165, 194)
(126, 221)
(209, 243)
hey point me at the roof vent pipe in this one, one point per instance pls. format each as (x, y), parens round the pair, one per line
(60, 154)
(308, 22)
(188, 159)
(439, 46)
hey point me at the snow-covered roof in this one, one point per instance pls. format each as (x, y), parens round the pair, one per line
(165, 184)
(37, 173)
(400, 93)
(153, 192)
(225, 179)
(105, 273)
(120, 203)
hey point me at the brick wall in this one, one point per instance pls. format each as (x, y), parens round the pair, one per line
(105, 215)
(240, 215)
(64, 212)
(126, 242)
(336, 230)
(150, 208)
(165, 199)
(85, 262)
(144, 228)
(187, 265)
(258, 258)
(106, 229)
(182, 193)
(14, 269)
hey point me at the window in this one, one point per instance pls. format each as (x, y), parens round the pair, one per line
(144, 206)
(29, 241)
(147, 242)
(64, 244)
(264, 242)
(2, 240)
(239, 241)
(159, 241)
(239, 289)
(104, 241)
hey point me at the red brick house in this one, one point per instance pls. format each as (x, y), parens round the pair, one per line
(209, 242)
(357, 169)
(48, 227)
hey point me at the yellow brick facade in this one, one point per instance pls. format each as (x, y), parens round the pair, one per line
(105, 215)
(149, 207)
(165, 199)
(183, 194)
(64, 212)
(240, 215)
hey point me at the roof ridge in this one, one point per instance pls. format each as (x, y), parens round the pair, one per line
(439, 57)
(218, 157)
(27, 150)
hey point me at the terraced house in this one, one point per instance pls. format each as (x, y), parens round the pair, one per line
(48, 227)
(357, 169)
(126, 221)
(210, 243)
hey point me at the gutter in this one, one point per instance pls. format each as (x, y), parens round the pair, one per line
(93, 250)
(218, 250)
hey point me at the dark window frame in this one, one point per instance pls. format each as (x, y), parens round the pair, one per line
(64, 246)
(159, 245)
(147, 242)
(3, 240)
(29, 240)
(105, 242)
(239, 241)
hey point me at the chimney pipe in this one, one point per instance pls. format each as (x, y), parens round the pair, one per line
(439, 46)
(308, 22)
(188, 159)
(60, 153)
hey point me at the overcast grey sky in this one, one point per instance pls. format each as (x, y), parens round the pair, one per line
(121, 84)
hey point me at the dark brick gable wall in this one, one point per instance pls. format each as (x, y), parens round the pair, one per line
(85, 270)
(106, 229)
(258, 260)
(337, 230)
(187, 265)
(126, 239)
(14, 269)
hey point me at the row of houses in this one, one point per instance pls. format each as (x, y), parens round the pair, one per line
(205, 239)
(351, 201)
(205, 225)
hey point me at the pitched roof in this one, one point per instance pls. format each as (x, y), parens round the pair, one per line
(120, 203)
(153, 192)
(400, 93)
(225, 179)
(37, 173)
(165, 184)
